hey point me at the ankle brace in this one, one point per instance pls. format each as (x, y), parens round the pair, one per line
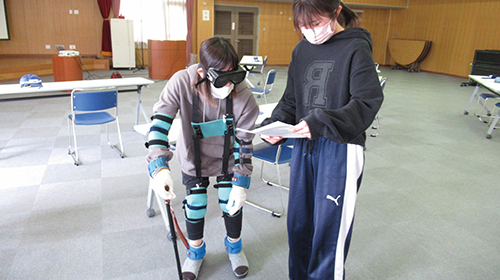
(196, 253)
(233, 247)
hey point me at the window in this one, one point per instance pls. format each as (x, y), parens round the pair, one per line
(156, 19)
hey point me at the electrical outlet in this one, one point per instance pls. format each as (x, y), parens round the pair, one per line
(206, 15)
(47, 47)
(77, 12)
(72, 47)
(70, 12)
(60, 47)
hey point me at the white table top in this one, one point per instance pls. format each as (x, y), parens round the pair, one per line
(486, 82)
(265, 111)
(70, 85)
(173, 133)
(251, 60)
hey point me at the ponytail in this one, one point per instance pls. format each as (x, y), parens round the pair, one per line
(347, 17)
(305, 12)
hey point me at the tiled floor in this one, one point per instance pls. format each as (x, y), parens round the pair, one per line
(427, 207)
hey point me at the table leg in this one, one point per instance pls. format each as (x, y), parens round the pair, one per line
(473, 96)
(139, 107)
(492, 126)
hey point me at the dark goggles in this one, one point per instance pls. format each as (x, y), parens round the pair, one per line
(221, 78)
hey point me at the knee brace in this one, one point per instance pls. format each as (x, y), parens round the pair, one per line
(233, 247)
(195, 204)
(223, 190)
(195, 254)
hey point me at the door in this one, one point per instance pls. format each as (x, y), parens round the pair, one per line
(240, 26)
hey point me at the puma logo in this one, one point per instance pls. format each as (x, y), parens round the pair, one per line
(333, 199)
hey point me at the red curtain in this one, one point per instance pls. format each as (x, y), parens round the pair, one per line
(116, 8)
(189, 16)
(105, 8)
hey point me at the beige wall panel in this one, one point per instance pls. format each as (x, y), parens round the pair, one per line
(376, 21)
(277, 36)
(49, 23)
(456, 29)
(379, 3)
(205, 29)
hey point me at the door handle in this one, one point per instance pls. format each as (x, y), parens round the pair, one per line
(237, 41)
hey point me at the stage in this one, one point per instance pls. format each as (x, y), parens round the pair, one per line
(13, 67)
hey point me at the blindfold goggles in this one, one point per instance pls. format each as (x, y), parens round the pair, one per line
(221, 78)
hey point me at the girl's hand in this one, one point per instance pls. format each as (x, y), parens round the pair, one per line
(271, 139)
(301, 128)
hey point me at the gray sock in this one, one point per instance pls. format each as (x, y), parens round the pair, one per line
(191, 269)
(239, 263)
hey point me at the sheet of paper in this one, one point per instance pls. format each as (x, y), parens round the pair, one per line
(274, 129)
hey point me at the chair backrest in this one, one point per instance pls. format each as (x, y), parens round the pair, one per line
(271, 76)
(93, 100)
(382, 82)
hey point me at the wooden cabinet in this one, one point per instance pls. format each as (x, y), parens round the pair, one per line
(166, 58)
(67, 68)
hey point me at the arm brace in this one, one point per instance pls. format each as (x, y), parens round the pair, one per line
(158, 134)
(158, 137)
(242, 155)
(243, 152)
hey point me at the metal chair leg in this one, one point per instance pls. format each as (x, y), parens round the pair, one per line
(375, 127)
(72, 133)
(150, 212)
(268, 182)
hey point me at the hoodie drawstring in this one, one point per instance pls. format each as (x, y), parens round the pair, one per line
(309, 146)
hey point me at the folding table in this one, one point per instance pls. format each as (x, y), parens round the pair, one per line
(139, 82)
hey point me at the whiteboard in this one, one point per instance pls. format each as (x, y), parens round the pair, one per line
(4, 28)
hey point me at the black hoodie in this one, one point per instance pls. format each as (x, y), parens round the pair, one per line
(334, 87)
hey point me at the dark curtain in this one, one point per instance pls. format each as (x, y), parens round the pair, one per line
(105, 8)
(189, 16)
(116, 8)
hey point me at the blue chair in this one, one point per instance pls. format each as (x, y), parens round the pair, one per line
(274, 155)
(253, 71)
(93, 107)
(268, 86)
(383, 80)
(484, 105)
(495, 122)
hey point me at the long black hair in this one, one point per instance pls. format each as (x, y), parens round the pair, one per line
(305, 12)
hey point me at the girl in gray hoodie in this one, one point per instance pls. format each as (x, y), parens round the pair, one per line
(211, 100)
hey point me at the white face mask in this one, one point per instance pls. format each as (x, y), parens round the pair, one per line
(319, 35)
(222, 92)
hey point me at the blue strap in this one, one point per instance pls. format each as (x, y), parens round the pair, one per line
(211, 128)
(196, 253)
(242, 181)
(233, 247)
(160, 162)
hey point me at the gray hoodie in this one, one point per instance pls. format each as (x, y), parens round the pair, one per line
(177, 97)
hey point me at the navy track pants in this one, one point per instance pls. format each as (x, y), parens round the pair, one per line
(324, 180)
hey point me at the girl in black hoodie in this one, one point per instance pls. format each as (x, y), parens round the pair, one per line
(332, 96)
